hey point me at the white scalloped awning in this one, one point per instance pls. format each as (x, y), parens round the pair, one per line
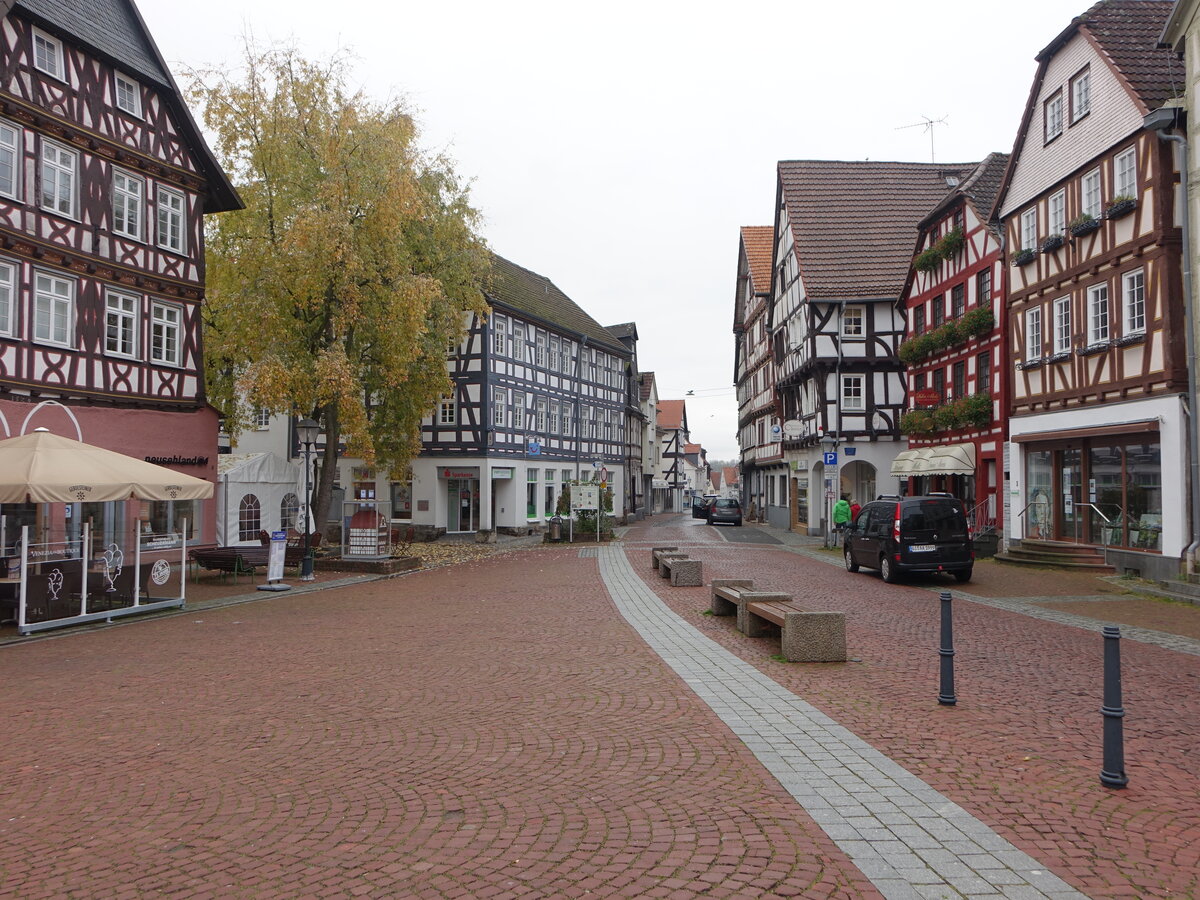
(955, 459)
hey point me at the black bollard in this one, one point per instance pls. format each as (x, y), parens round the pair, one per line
(946, 695)
(1113, 773)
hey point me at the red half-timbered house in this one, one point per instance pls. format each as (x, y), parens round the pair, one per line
(1095, 309)
(953, 351)
(104, 183)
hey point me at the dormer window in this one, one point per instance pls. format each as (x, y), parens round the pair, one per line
(48, 55)
(128, 95)
(1081, 95)
(1053, 112)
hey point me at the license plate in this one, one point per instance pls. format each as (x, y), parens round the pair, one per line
(922, 548)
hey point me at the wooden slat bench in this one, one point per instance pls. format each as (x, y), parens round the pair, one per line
(230, 560)
(804, 636)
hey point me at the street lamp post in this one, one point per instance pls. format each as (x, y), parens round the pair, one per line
(829, 445)
(306, 431)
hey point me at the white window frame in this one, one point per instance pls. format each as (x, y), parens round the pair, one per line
(8, 297)
(499, 337)
(518, 343)
(555, 346)
(518, 411)
(170, 219)
(122, 82)
(854, 322)
(53, 309)
(121, 312)
(1133, 301)
(1089, 194)
(447, 410)
(10, 154)
(1098, 329)
(1033, 334)
(1053, 116)
(553, 426)
(1057, 206)
(1125, 173)
(59, 168)
(1029, 229)
(48, 55)
(499, 407)
(539, 416)
(1062, 324)
(166, 323)
(854, 398)
(539, 350)
(1081, 94)
(262, 418)
(128, 204)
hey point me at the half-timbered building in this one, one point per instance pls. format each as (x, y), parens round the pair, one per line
(953, 351)
(760, 429)
(657, 485)
(104, 183)
(843, 239)
(636, 494)
(672, 431)
(1095, 312)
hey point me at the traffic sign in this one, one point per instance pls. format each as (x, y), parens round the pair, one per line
(604, 473)
(831, 458)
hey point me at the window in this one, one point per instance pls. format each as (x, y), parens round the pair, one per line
(518, 343)
(939, 309)
(531, 486)
(519, 410)
(58, 179)
(958, 220)
(1028, 230)
(499, 407)
(262, 418)
(499, 335)
(1058, 213)
(958, 302)
(8, 292)
(127, 191)
(568, 423)
(1125, 174)
(539, 417)
(1033, 333)
(983, 287)
(47, 54)
(1081, 95)
(958, 379)
(447, 411)
(939, 383)
(553, 363)
(920, 384)
(10, 160)
(919, 319)
(1091, 193)
(552, 426)
(1062, 324)
(1097, 299)
(249, 518)
(1133, 292)
(852, 393)
(128, 95)
(170, 220)
(120, 324)
(289, 512)
(1053, 111)
(854, 322)
(983, 373)
(53, 309)
(540, 350)
(164, 334)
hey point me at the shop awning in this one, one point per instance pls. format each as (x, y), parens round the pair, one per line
(954, 459)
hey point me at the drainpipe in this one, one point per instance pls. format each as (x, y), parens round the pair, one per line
(1161, 121)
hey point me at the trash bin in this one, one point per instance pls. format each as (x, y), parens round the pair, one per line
(556, 528)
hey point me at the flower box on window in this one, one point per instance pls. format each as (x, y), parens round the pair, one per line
(1022, 257)
(1061, 356)
(1120, 206)
(1052, 243)
(928, 260)
(1138, 337)
(1036, 363)
(1093, 349)
(1082, 225)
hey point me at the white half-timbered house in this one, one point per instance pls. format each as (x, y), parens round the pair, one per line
(656, 484)
(842, 245)
(672, 436)
(760, 429)
(1095, 313)
(104, 183)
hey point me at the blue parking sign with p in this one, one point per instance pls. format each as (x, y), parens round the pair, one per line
(831, 458)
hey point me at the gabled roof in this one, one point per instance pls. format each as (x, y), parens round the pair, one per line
(757, 241)
(624, 330)
(671, 413)
(729, 474)
(980, 188)
(523, 291)
(114, 31)
(692, 448)
(645, 385)
(855, 223)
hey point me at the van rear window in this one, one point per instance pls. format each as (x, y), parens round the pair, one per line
(941, 516)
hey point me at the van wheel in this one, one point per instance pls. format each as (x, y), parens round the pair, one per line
(851, 565)
(964, 576)
(887, 571)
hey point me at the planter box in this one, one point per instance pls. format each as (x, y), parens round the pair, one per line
(1052, 243)
(1123, 208)
(1082, 228)
(1024, 257)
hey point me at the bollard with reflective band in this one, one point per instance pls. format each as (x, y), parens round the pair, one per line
(946, 695)
(1113, 772)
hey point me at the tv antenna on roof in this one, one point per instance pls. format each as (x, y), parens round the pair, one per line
(927, 124)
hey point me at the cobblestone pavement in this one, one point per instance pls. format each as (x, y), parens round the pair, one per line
(497, 729)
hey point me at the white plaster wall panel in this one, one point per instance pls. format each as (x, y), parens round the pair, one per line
(1114, 116)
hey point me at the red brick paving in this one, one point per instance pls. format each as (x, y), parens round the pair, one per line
(1022, 749)
(491, 730)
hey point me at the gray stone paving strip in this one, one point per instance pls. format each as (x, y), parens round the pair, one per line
(909, 840)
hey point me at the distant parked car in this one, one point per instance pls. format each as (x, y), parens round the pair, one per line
(725, 509)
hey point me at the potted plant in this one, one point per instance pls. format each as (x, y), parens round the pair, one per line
(1052, 243)
(927, 260)
(951, 243)
(1085, 223)
(977, 322)
(1120, 205)
(1023, 256)
(916, 421)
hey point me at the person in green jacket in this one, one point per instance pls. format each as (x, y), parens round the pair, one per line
(841, 514)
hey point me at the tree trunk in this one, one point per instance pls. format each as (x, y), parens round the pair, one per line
(327, 467)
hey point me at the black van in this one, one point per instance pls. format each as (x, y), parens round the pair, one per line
(911, 534)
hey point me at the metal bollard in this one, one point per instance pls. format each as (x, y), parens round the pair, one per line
(946, 695)
(1113, 772)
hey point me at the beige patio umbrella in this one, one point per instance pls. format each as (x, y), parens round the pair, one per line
(41, 467)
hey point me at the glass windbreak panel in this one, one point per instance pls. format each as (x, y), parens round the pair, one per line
(1071, 490)
(1039, 484)
(162, 524)
(1106, 492)
(1144, 492)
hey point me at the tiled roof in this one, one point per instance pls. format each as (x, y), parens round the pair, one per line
(980, 187)
(730, 474)
(692, 448)
(670, 413)
(758, 240)
(528, 292)
(855, 223)
(1127, 32)
(645, 385)
(624, 330)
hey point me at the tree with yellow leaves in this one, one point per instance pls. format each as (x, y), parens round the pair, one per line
(336, 291)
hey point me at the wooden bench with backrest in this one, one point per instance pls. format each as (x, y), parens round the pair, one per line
(805, 636)
(230, 560)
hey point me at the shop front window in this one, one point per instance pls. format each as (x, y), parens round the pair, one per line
(1143, 474)
(402, 500)
(163, 522)
(1106, 493)
(1039, 481)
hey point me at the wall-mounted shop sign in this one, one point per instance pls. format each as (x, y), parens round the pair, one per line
(502, 473)
(177, 460)
(460, 472)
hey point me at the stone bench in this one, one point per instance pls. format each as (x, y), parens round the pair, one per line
(682, 571)
(804, 636)
(656, 551)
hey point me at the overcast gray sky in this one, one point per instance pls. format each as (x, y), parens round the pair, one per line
(617, 148)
